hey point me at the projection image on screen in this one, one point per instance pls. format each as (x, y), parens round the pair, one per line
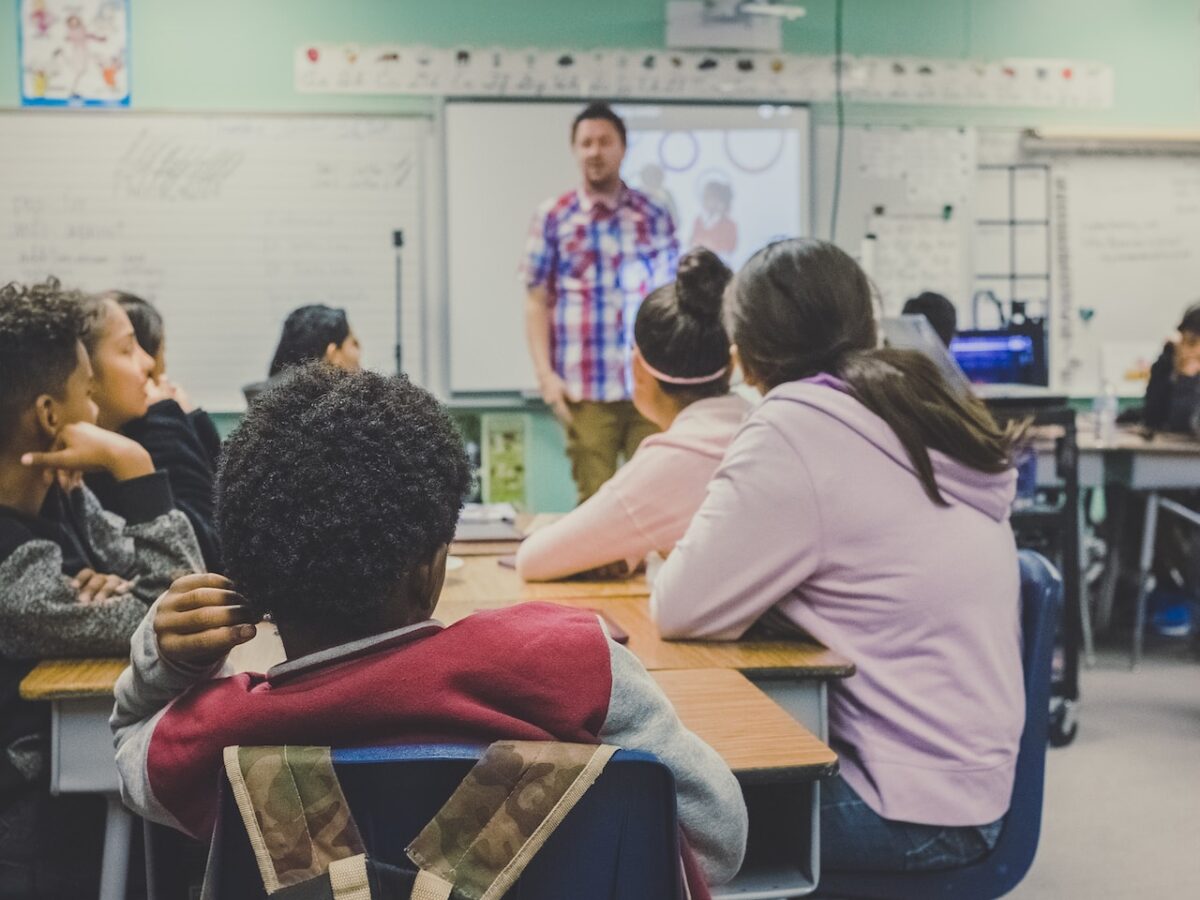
(734, 176)
(731, 190)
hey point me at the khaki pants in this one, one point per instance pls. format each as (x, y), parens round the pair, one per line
(598, 434)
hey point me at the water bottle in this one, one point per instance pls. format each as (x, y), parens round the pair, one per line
(1105, 408)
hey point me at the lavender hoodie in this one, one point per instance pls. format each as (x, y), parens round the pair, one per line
(817, 515)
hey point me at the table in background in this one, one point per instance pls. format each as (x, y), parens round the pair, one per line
(1139, 462)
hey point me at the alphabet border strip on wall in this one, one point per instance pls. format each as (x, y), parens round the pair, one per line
(690, 75)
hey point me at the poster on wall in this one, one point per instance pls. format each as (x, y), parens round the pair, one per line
(74, 52)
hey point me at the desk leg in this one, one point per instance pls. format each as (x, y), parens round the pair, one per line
(118, 828)
(1114, 528)
(1085, 599)
(1145, 564)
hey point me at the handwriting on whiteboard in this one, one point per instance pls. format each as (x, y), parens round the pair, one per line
(165, 168)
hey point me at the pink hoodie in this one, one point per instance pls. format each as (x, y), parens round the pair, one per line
(816, 514)
(647, 505)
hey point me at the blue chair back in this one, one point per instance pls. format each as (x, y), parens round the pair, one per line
(620, 840)
(1002, 869)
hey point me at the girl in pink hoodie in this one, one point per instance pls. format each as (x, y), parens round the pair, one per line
(681, 369)
(865, 502)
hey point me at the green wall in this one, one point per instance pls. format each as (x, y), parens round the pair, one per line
(237, 55)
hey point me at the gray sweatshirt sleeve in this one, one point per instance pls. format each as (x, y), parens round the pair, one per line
(143, 692)
(145, 537)
(41, 616)
(711, 808)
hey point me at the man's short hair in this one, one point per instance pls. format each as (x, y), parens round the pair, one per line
(938, 310)
(599, 111)
(40, 327)
(336, 487)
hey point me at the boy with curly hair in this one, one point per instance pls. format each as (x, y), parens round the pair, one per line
(337, 499)
(74, 580)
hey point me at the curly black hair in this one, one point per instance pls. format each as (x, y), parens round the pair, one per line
(334, 489)
(40, 328)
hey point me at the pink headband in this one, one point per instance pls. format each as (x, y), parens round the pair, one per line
(674, 379)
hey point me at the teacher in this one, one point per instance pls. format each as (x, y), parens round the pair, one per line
(593, 255)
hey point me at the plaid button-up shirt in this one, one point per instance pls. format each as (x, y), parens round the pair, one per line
(597, 264)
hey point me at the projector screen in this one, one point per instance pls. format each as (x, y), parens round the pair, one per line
(733, 176)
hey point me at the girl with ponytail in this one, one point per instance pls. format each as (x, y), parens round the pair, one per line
(681, 370)
(865, 502)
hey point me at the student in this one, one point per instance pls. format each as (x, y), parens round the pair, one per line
(151, 336)
(337, 498)
(74, 580)
(681, 370)
(1173, 392)
(1172, 404)
(866, 503)
(123, 392)
(939, 312)
(310, 333)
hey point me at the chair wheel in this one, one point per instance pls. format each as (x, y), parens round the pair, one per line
(1064, 724)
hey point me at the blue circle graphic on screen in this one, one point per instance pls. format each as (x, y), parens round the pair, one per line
(755, 150)
(678, 151)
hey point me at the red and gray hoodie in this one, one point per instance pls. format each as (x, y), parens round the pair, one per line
(530, 672)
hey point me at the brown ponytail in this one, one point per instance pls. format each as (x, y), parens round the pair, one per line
(803, 307)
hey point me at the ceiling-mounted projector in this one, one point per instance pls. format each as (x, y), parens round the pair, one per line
(731, 10)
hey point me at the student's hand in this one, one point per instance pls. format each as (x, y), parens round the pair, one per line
(1187, 360)
(95, 587)
(200, 619)
(557, 396)
(83, 447)
(166, 389)
(68, 480)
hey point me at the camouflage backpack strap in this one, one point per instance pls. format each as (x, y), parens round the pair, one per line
(298, 820)
(500, 816)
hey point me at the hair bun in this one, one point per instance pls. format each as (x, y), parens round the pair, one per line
(700, 283)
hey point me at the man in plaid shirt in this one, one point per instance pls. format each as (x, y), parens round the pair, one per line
(593, 255)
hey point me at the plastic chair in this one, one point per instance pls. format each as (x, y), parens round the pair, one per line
(1002, 869)
(621, 840)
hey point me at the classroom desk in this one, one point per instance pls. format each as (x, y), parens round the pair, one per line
(526, 522)
(760, 742)
(1141, 463)
(794, 673)
(81, 749)
(483, 580)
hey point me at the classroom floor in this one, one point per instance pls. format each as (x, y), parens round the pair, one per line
(1122, 800)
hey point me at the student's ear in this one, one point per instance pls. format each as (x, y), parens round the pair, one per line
(48, 413)
(435, 577)
(735, 360)
(333, 354)
(640, 375)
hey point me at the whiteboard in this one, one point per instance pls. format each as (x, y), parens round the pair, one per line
(912, 188)
(1128, 232)
(503, 159)
(225, 222)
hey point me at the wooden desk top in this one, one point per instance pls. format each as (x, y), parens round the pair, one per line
(482, 580)
(526, 522)
(782, 659)
(61, 679)
(755, 737)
